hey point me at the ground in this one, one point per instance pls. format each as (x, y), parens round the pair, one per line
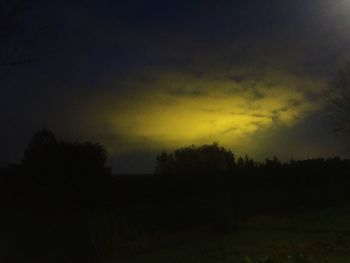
(307, 236)
(101, 235)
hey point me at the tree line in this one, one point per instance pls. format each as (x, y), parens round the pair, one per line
(214, 159)
(59, 170)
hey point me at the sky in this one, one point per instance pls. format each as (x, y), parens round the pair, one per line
(142, 77)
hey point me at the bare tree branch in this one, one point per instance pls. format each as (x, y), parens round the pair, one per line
(338, 96)
(18, 33)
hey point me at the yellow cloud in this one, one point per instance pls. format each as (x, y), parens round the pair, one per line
(172, 109)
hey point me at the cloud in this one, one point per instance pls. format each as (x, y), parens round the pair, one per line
(144, 76)
(165, 108)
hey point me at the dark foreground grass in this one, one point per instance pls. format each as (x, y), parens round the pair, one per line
(322, 236)
(102, 235)
(252, 216)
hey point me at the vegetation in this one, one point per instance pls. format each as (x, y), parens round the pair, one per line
(202, 204)
(21, 32)
(338, 95)
(46, 156)
(205, 159)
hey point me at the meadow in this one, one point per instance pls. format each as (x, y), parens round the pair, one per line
(61, 204)
(243, 218)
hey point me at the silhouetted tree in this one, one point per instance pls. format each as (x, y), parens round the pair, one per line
(273, 163)
(338, 95)
(49, 159)
(205, 159)
(42, 149)
(21, 27)
(240, 163)
(249, 162)
(165, 162)
(246, 163)
(83, 159)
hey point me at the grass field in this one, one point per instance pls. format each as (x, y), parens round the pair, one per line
(155, 219)
(100, 235)
(322, 236)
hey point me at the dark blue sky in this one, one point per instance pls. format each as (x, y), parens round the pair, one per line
(123, 74)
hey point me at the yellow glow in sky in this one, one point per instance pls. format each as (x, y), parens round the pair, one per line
(177, 109)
